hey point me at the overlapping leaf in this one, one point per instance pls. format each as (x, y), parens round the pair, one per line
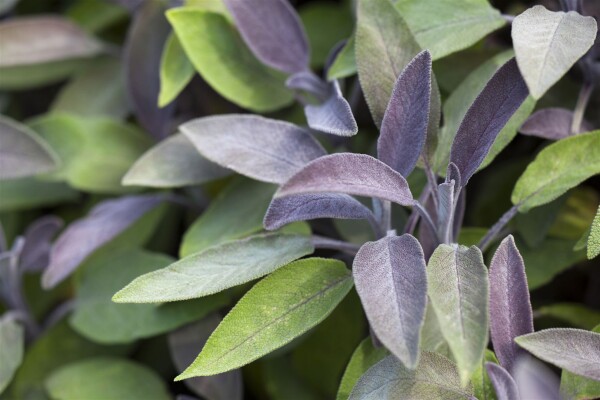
(504, 385)
(364, 357)
(534, 380)
(12, 346)
(176, 71)
(593, 241)
(38, 241)
(551, 123)
(333, 116)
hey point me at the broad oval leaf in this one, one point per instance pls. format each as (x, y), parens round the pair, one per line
(492, 109)
(547, 44)
(185, 343)
(41, 39)
(258, 147)
(176, 71)
(575, 350)
(38, 242)
(364, 357)
(274, 32)
(557, 168)
(406, 119)
(216, 269)
(108, 378)
(174, 162)
(510, 307)
(384, 46)
(219, 54)
(458, 290)
(357, 174)
(534, 380)
(504, 385)
(551, 124)
(97, 318)
(12, 346)
(391, 281)
(435, 377)
(84, 236)
(577, 387)
(333, 116)
(22, 152)
(270, 315)
(302, 207)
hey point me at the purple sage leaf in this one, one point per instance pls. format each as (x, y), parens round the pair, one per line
(551, 124)
(406, 119)
(356, 174)
(510, 308)
(333, 116)
(498, 101)
(445, 210)
(273, 31)
(453, 173)
(390, 279)
(284, 210)
(84, 236)
(254, 146)
(534, 380)
(143, 51)
(504, 385)
(309, 82)
(38, 242)
(185, 344)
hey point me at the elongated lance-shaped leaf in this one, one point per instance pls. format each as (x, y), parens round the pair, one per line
(504, 385)
(176, 71)
(12, 345)
(270, 315)
(174, 162)
(404, 126)
(302, 207)
(261, 148)
(357, 174)
(593, 241)
(552, 124)
(87, 234)
(486, 117)
(458, 290)
(390, 279)
(558, 168)
(547, 44)
(216, 269)
(575, 350)
(333, 116)
(453, 174)
(309, 82)
(384, 46)
(143, 50)
(435, 377)
(22, 152)
(535, 380)
(185, 343)
(445, 210)
(273, 31)
(38, 242)
(510, 308)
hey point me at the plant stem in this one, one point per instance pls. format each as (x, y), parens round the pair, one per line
(508, 18)
(582, 102)
(427, 218)
(322, 242)
(497, 227)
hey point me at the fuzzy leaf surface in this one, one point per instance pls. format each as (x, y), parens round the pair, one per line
(535, 380)
(551, 124)
(363, 358)
(12, 347)
(593, 241)
(333, 116)
(504, 385)
(176, 71)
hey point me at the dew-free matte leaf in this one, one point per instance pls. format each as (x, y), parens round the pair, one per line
(363, 358)
(547, 44)
(22, 152)
(174, 162)
(344, 64)
(575, 350)
(28, 193)
(176, 71)
(219, 54)
(107, 378)
(551, 124)
(143, 49)
(445, 210)
(38, 242)
(41, 39)
(303, 207)
(270, 315)
(333, 116)
(404, 126)
(384, 46)
(492, 109)
(273, 31)
(357, 174)
(216, 269)
(185, 343)
(574, 314)
(446, 27)
(504, 385)
(100, 320)
(235, 213)
(435, 377)
(557, 168)
(482, 385)
(458, 290)
(390, 279)
(510, 307)
(535, 380)
(593, 242)
(577, 387)
(12, 345)
(264, 149)
(104, 222)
